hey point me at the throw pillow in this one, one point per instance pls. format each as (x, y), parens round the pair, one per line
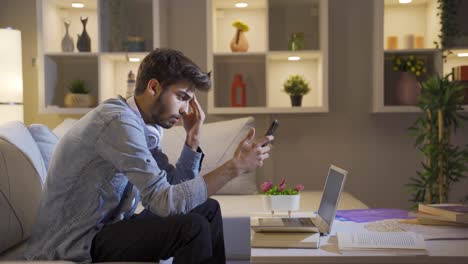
(218, 141)
(63, 127)
(45, 140)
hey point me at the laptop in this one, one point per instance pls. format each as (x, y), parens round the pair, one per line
(322, 222)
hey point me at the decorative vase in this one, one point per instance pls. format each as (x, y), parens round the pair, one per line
(84, 42)
(67, 41)
(78, 100)
(131, 82)
(287, 203)
(239, 42)
(238, 92)
(296, 42)
(407, 89)
(296, 100)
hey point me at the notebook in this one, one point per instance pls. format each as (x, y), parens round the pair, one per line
(326, 214)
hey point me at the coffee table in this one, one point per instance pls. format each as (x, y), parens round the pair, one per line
(439, 251)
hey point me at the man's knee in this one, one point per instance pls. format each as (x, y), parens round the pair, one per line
(198, 224)
(213, 204)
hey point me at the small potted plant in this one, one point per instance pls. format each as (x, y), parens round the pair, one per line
(296, 86)
(239, 42)
(78, 95)
(280, 198)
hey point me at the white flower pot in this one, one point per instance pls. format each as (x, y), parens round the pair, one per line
(281, 202)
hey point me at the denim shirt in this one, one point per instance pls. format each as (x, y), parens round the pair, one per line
(88, 173)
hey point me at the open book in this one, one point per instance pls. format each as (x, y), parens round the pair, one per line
(398, 243)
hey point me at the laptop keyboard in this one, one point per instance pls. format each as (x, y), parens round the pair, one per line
(303, 221)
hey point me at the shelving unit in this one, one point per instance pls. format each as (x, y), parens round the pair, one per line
(265, 66)
(111, 25)
(405, 23)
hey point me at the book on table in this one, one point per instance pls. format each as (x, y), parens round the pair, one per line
(428, 219)
(392, 243)
(452, 212)
(285, 240)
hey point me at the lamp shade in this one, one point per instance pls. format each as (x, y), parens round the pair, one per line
(11, 76)
(11, 69)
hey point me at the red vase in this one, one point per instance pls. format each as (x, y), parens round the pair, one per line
(238, 96)
(407, 89)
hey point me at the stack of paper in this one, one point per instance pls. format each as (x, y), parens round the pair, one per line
(398, 243)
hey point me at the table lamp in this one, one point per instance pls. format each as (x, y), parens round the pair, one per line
(11, 76)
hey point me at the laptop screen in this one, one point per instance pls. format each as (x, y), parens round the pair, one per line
(331, 194)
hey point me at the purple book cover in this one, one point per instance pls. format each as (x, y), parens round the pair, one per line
(370, 215)
(454, 208)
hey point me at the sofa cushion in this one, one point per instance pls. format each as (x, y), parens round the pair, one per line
(45, 140)
(63, 127)
(218, 140)
(22, 174)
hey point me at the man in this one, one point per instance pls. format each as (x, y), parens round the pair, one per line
(112, 157)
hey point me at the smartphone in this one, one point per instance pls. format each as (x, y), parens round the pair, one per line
(274, 125)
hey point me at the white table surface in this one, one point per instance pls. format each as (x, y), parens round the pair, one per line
(439, 251)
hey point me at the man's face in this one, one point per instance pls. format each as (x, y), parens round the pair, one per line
(167, 108)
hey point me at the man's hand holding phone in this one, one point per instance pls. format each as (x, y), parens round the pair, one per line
(251, 153)
(271, 130)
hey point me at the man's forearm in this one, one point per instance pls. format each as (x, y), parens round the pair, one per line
(216, 179)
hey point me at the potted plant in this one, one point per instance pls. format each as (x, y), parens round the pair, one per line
(239, 42)
(408, 86)
(444, 163)
(280, 198)
(296, 86)
(78, 95)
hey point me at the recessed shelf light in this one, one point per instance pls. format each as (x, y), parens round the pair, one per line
(462, 54)
(133, 59)
(77, 5)
(405, 1)
(241, 5)
(294, 58)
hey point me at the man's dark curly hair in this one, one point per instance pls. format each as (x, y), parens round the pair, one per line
(169, 67)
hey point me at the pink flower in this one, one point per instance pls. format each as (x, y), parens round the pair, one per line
(299, 187)
(266, 186)
(282, 185)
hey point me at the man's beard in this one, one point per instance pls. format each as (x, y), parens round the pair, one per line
(157, 115)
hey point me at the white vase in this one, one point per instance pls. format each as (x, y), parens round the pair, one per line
(281, 203)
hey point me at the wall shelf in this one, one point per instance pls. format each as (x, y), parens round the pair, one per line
(396, 27)
(265, 66)
(118, 30)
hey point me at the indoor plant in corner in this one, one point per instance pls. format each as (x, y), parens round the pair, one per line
(296, 86)
(444, 163)
(78, 95)
(280, 198)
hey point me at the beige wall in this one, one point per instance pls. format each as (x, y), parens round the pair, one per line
(375, 148)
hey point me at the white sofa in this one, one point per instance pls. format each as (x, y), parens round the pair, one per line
(23, 159)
